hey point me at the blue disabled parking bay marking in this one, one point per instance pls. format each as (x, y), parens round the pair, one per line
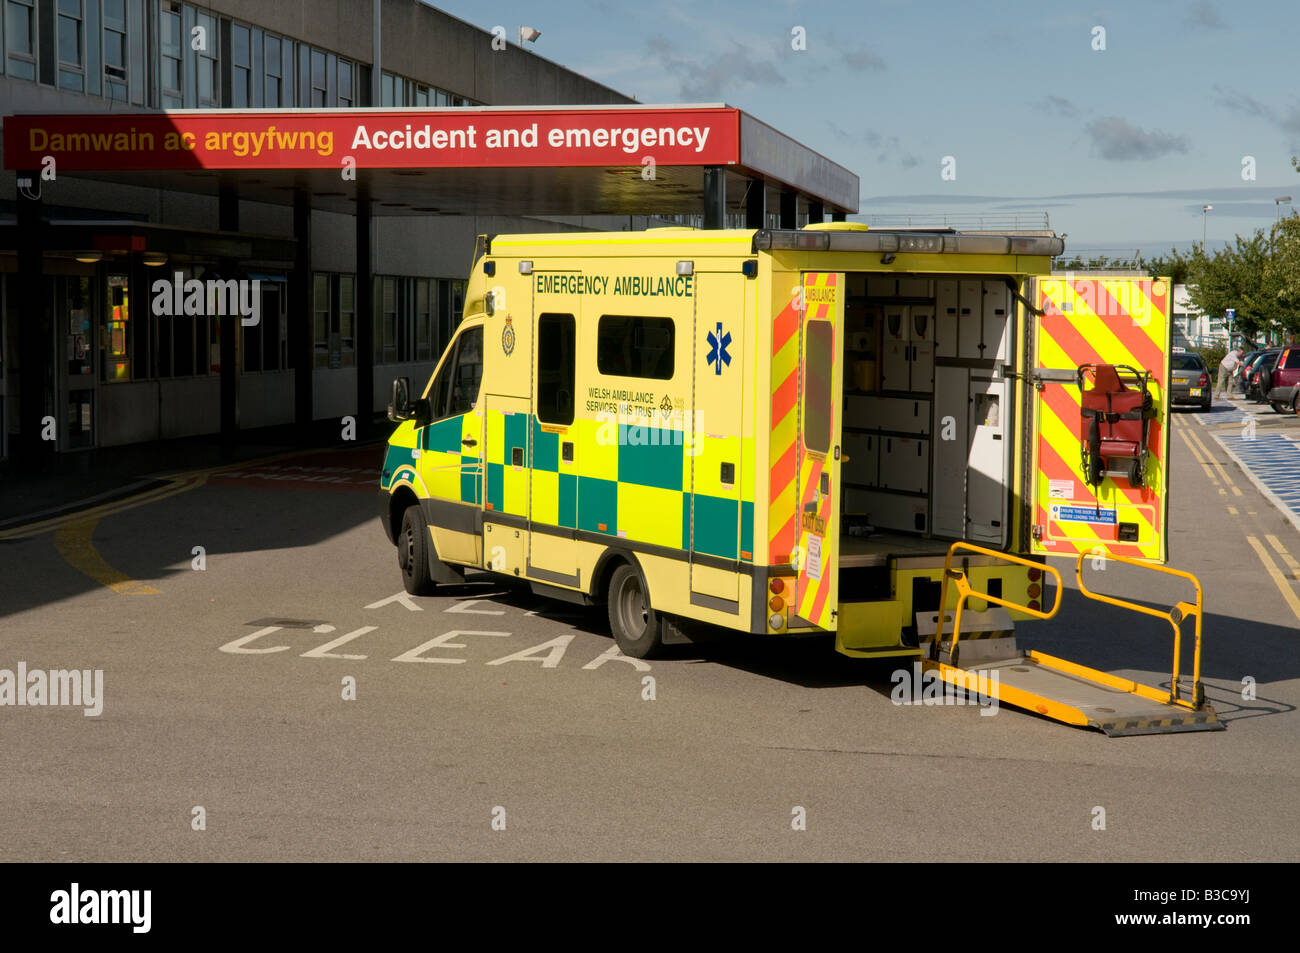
(1273, 459)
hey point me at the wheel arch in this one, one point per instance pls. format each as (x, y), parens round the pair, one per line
(609, 561)
(398, 501)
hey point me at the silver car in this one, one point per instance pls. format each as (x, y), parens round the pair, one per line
(1189, 379)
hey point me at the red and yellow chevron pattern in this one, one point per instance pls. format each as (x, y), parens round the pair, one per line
(815, 589)
(783, 454)
(1099, 321)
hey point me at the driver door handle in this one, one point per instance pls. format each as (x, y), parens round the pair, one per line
(470, 442)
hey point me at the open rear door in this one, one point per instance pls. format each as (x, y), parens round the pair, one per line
(1099, 483)
(821, 396)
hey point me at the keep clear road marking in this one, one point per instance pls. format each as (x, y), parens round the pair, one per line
(75, 544)
(1280, 580)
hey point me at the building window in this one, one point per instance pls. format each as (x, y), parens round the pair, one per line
(72, 63)
(264, 342)
(319, 85)
(117, 331)
(421, 95)
(386, 326)
(207, 62)
(345, 83)
(172, 94)
(241, 66)
(20, 36)
(425, 299)
(334, 311)
(114, 40)
(273, 81)
(389, 90)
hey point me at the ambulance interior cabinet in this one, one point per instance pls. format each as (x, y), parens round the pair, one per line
(905, 464)
(907, 350)
(986, 492)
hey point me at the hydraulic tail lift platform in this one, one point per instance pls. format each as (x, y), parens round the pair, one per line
(1053, 687)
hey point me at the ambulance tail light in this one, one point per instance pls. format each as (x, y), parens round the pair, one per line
(1035, 575)
(777, 586)
(775, 621)
(1035, 605)
(776, 604)
(1034, 590)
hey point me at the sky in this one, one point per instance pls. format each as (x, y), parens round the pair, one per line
(1119, 121)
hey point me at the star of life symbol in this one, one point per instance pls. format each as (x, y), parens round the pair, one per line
(718, 354)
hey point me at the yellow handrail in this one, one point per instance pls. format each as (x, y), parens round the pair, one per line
(964, 592)
(1174, 616)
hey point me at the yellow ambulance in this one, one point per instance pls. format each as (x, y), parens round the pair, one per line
(783, 432)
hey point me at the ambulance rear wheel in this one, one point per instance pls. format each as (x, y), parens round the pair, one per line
(637, 628)
(413, 553)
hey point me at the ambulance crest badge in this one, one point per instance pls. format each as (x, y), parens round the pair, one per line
(508, 338)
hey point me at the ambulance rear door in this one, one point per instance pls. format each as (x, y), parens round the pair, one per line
(1122, 323)
(821, 397)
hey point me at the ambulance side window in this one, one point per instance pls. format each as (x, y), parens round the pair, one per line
(469, 372)
(455, 389)
(556, 364)
(629, 346)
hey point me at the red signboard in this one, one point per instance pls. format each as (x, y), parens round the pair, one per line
(374, 139)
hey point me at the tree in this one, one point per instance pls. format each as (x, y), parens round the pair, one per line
(1281, 276)
(1234, 277)
(1173, 266)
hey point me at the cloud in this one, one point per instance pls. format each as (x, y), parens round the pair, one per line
(717, 73)
(1119, 140)
(1238, 101)
(861, 60)
(1057, 105)
(1217, 195)
(1205, 15)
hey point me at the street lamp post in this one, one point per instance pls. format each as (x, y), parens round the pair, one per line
(1277, 202)
(1204, 209)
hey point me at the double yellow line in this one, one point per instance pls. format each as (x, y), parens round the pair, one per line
(1202, 455)
(1280, 579)
(177, 484)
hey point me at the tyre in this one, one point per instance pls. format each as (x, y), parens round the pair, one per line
(637, 628)
(413, 553)
(1295, 403)
(1279, 407)
(1135, 474)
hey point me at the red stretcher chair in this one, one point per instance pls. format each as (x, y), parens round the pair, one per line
(1115, 422)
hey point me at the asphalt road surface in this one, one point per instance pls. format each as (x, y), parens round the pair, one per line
(489, 724)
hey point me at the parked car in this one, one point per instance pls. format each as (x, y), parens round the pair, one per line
(1285, 384)
(1261, 375)
(1243, 377)
(1189, 379)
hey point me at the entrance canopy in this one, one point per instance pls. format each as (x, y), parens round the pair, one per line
(607, 160)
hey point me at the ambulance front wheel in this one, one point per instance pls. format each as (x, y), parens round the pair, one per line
(637, 628)
(413, 553)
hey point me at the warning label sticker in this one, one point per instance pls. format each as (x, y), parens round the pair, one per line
(1083, 514)
(814, 563)
(1060, 489)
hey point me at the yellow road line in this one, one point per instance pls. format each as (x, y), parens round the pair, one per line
(75, 544)
(1223, 469)
(180, 482)
(179, 485)
(1286, 557)
(1279, 580)
(1199, 459)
